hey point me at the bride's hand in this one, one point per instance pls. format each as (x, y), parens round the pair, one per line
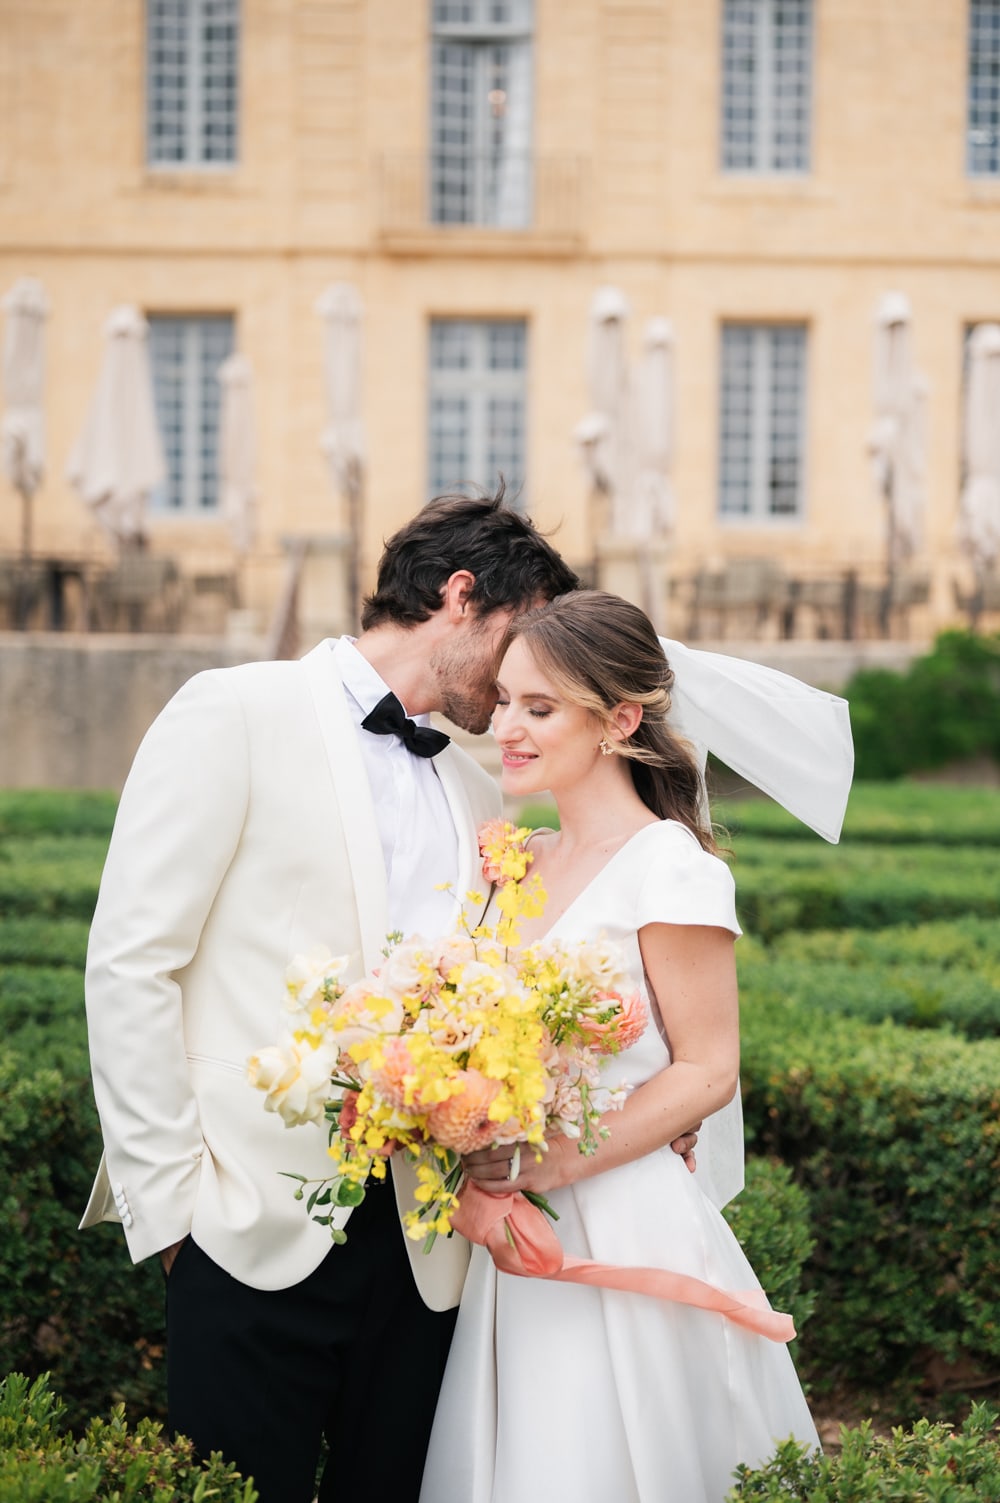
(685, 1145)
(520, 1167)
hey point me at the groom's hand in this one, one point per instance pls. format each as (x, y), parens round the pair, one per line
(168, 1255)
(684, 1145)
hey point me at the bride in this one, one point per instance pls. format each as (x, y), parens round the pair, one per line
(555, 1391)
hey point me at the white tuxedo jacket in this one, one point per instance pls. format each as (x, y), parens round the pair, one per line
(245, 834)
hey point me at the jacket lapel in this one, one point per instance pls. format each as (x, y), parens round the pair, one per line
(354, 798)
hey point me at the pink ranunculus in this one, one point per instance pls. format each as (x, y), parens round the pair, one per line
(621, 1031)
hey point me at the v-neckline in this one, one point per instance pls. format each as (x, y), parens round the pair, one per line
(540, 938)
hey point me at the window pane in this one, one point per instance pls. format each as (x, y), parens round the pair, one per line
(192, 81)
(984, 87)
(477, 405)
(186, 355)
(766, 85)
(761, 421)
(481, 114)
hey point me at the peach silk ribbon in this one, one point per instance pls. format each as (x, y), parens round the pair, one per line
(537, 1253)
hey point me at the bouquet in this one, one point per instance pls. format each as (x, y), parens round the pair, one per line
(453, 1045)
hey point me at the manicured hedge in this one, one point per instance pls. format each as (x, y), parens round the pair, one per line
(42, 1462)
(915, 995)
(895, 1135)
(901, 813)
(952, 944)
(55, 875)
(926, 1464)
(56, 811)
(36, 939)
(790, 885)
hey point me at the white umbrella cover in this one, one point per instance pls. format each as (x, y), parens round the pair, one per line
(653, 511)
(117, 461)
(343, 438)
(979, 521)
(896, 442)
(603, 436)
(238, 452)
(22, 449)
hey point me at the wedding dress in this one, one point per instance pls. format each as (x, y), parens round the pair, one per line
(560, 1392)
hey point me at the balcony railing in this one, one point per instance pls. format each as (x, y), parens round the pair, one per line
(506, 192)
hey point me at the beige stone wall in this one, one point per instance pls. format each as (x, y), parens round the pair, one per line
(335, 100)
(74, 708)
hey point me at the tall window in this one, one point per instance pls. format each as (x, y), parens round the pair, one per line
(187, 353)
(481, 112)
(762, 428)
(983, 155)
(477, 404)
(192, 82)
(766, 85)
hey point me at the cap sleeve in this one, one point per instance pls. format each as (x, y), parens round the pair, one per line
(684, 884)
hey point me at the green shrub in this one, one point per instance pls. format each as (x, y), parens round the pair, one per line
(40, 1463)
(930, 1463)
(895, 1135)
(772, 1224)
(70, 1302)
(944, 708)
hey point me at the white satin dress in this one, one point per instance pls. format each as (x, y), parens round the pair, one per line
(560, 1392)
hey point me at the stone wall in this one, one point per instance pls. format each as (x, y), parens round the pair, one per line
(74, 708)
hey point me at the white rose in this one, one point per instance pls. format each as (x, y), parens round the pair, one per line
(404, 968)
(296, 1079)
(309, 976)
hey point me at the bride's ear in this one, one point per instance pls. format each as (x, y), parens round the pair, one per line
(625, 720)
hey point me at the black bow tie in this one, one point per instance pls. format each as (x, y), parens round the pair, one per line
(388, 719)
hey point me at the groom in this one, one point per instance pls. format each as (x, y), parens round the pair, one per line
(274, 808)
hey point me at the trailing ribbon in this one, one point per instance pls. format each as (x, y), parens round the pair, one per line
(521, 1240)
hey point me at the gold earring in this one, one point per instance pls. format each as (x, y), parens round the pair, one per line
(605, 748)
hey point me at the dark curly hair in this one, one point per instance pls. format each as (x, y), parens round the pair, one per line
(514, 566)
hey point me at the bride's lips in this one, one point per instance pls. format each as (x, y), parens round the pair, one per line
(517, 759)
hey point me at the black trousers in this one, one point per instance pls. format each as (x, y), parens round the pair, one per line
(351, 1353)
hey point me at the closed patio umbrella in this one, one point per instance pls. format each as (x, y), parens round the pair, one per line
(896, 443)
(117, 461)
(979, 519)
(654, 422)
(22, 428)
(603, 435)
(238, 452)
(343, 438)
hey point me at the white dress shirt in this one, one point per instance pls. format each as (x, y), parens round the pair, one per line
(415, 824)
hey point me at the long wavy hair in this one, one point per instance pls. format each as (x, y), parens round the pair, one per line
(600, 651)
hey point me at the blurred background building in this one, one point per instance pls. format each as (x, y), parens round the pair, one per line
(699, 277)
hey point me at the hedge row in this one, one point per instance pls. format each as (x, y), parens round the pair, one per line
(783, 886)
(916, 996)
(900, 813)
(895, 1135)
